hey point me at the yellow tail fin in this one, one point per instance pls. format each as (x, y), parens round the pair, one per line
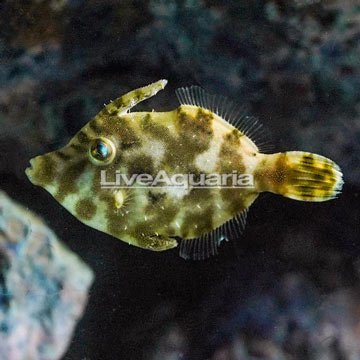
(311, 177)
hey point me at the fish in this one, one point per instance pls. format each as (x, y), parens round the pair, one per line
(107, 176)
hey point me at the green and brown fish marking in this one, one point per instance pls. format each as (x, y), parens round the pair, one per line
(201, 136)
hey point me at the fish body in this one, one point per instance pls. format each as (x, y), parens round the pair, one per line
(197, 139)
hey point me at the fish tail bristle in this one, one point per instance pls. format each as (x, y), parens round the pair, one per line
(311, 177)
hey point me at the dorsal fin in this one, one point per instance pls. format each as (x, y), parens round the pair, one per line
(207, 245)
(227, 110)
(125, 102)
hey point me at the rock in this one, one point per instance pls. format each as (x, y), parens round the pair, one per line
(43, 287)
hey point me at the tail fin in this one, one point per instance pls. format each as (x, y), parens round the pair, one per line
(311, 177)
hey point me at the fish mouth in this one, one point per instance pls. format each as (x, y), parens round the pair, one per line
(29, 171)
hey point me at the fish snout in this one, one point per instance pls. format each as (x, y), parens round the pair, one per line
(42, 170)
(30, 170)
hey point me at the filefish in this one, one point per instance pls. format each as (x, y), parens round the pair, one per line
(205, 135)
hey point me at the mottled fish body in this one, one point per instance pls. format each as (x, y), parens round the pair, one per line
(204, 136)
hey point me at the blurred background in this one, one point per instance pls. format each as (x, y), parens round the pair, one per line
(288, 289)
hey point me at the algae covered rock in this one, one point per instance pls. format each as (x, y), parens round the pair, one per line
(43, 287)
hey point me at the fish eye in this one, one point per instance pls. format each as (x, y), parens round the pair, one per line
(102, 151)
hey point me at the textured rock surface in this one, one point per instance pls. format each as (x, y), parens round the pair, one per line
(43, 287)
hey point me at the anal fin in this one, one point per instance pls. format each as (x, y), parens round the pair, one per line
(199, 248)
(205, 246)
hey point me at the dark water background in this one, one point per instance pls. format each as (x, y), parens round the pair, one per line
(296, 66)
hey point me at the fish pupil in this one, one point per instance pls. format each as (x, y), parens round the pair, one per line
(100, 150)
